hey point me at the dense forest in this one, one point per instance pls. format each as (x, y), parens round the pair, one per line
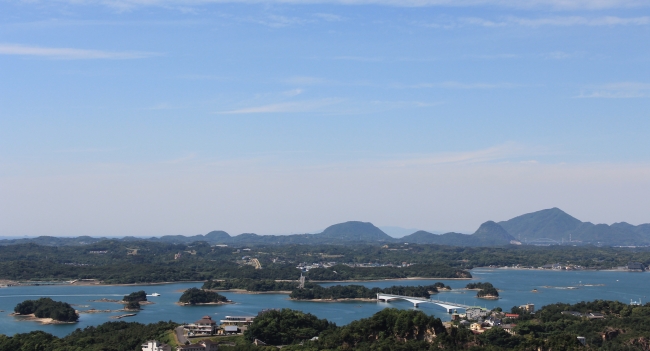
(623, 328)
(45, 307)
(343, 272)
(318, 292)
(110, 336)
(250, 285)
(485, 289)
(147, 262)
(137, 296)
(193, 296)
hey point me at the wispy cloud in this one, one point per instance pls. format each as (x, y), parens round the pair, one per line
(620, 90)
(556, 4)
(458, 85)
(495, 153)
(329, 17)
(293, 92)
(305, 80)
(556, 21)
(279, 21)
(70, 53)
(287, 107)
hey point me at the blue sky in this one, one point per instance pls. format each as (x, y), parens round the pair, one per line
(163, 117)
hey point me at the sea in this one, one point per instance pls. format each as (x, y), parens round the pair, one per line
(516, 287)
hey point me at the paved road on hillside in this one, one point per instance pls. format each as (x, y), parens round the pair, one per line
(179, 335)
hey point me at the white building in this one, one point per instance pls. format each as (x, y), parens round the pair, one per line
(204, 326)
(155, 345)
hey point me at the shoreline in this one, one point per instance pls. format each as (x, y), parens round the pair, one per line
(10, 284)
(382, 280)
(244, 291)
(33, 318)
(359, 299)
(204, 303)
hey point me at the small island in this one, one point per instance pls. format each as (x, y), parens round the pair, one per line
(194, 296)
(47, 311)
(133, 300)
(485, 290)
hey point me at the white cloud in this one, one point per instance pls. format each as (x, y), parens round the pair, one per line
(288, 107)
(580, 21)
(556, 4)
(459, 85)
(70, 53)
(329, 17)
(293, 92)
(620, 90)
(556, 21)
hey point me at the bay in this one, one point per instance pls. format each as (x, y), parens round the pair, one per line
(515, 289)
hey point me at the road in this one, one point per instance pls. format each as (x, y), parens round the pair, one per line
(179, 336)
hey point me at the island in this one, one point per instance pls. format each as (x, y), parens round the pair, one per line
(47, 311)
(250, 285)
(360, 292)
(485, 290)
(134, 300)
(195, 296)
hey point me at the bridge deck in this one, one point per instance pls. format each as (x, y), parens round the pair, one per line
(445, 304)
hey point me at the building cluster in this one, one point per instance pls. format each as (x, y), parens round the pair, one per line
(479, 320)
(305, 267)
(230, 325)
(562, 267)
(205, 327)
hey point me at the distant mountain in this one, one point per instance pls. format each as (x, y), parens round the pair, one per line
(354, 231)
(559, 226)
(550, 224)
(488, 234)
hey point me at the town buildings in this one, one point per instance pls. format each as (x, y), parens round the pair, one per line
(204, 326)
(155, 345)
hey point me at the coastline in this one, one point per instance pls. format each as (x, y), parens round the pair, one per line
(33, 318)
(383, 280)
(359, 299)
(244, 291)
(204, 303)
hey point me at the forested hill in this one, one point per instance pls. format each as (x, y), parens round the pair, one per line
(488, 234)
(553, 224)
(557, 225)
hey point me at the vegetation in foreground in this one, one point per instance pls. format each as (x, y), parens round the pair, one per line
(45, 307)
(110, 336)
(623, 328)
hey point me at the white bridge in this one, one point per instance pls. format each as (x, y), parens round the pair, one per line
(416, 301)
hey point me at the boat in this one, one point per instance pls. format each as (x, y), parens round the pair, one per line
(155, 294)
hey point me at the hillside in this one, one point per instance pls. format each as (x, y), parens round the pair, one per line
(488, 234)
(545, 226)
(557, 225)
(354, 231)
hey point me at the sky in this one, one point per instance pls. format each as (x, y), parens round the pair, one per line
(159, 117)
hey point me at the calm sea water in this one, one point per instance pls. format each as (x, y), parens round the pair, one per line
(515, 286)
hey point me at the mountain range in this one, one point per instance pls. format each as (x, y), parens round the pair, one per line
(550, 226)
